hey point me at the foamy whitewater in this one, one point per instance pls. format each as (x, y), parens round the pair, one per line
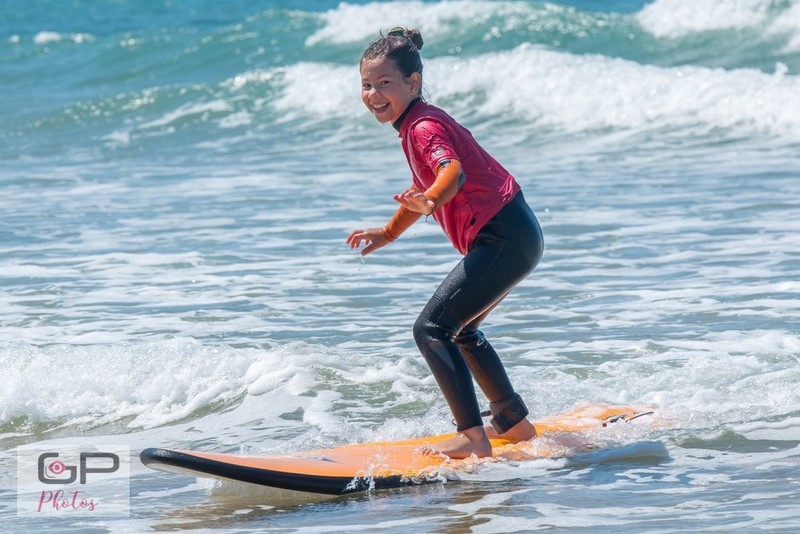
(178, 180)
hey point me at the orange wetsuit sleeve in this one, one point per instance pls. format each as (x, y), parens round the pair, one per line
(449, 179)
(400, 222)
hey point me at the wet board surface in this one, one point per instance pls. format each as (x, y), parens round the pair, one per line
(378, 465)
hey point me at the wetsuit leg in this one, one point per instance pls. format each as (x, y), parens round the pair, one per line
(505, 251)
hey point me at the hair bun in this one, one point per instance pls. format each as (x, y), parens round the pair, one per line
(412, 35)
(415, 37)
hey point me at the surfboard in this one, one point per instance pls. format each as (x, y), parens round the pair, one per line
(378, 465)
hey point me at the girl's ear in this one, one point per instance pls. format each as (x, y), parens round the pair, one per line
(416, 82)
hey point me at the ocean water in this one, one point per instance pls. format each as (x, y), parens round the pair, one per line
(178, 178)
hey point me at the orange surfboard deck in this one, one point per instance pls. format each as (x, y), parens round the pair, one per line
(368, 466)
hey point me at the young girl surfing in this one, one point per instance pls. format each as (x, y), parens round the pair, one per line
(481, 209)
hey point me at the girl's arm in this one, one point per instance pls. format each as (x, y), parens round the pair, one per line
(413, 204)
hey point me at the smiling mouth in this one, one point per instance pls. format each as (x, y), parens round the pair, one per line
(380, 108)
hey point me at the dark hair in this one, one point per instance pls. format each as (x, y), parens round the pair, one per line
(400, 45)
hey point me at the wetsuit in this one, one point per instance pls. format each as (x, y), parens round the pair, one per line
(491, 224)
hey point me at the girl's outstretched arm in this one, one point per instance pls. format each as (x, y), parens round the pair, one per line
(413, 204)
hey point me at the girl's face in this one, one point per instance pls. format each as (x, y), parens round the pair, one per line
(384, 89)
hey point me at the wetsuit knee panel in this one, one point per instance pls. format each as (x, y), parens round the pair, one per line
(423, 331)
(427, 329)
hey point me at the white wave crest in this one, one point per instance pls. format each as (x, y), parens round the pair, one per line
(573, 93)
(677, 18)
(146, 384)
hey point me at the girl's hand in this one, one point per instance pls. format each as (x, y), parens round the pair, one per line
(375, 237)
(415, 200)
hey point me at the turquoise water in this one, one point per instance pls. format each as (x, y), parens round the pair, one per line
(179, 177)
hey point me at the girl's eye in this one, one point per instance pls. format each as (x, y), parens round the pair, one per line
(366, 87)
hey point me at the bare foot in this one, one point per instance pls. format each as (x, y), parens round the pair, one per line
(465, 444)
(522, 431)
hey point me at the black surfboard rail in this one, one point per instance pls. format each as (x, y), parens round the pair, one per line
(186, 462)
